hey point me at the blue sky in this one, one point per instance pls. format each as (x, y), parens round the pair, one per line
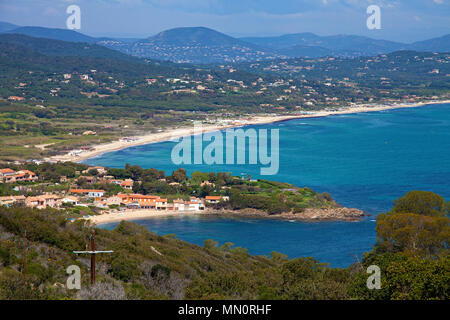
(402, 20)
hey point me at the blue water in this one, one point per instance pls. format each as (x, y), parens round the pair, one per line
(363, 160)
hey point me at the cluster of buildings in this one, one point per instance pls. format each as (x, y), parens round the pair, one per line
(8, 175)
(39, 202)
(140, 201)
(96, 197)
(87, 197)
(126, 184)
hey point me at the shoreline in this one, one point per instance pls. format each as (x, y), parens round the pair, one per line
(256, 120)
(309, 215)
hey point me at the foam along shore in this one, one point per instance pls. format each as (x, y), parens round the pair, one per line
(186, 131)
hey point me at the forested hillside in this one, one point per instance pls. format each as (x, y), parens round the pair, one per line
(411, 252)
(51, 91)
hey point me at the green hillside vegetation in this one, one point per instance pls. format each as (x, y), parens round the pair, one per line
(399, 73)
(65, 48)
(68, 88)
(413, 258)
(266, 196)
(52, 33)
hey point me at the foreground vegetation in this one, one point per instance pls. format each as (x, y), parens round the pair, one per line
(411, 251)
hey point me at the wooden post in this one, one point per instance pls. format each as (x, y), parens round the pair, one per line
(24, 271)
(93, 258)
(93, 253)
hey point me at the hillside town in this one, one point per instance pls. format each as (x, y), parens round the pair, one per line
(122, 199)
(295, 84)
(102, 194)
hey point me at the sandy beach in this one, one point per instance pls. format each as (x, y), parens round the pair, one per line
(186, 131)
(137, 214)
(310, 214)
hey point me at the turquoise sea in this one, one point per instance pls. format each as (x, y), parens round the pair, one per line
(363, 160)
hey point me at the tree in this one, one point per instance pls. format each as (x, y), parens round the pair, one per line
(93, 172)
(403, 277)
(421, 202)
(179, 175)
(408, 232)
(152, 174)
(135, 172)
(417, 223)
(198, 177)
(306, 278)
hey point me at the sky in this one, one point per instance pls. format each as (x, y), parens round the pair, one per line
(401, 20)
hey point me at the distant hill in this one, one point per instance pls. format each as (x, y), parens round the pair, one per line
(383, 72)
(441, 44)
(195, 45)
(204, 45)
(196, 35)
(358, 45)
(5, 26)
(338, 45)
(283, 41)
(64, 48)
(56, 34)
(16, 57)
(305, 51)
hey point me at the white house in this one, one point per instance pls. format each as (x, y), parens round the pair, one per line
(96, 193)
(71, 200)
(114, 200)
(178, 205)
(91, 193)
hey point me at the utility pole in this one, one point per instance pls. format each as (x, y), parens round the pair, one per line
(93, 253)
(24, 270)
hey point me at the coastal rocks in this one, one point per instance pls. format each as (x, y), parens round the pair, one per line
(348, 214)
(309, 214)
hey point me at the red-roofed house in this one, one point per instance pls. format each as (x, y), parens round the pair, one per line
(91, 193)
(27, 175)
(212, 199)
(143, 201)
(7, 172)
(127, 184)
(16, 98)
(8, 201)
(9, 176)
(44, 201)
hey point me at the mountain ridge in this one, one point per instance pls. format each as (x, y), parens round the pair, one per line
(55, 47)
(6, 26)
(197, 45)
(206, 45)
(348, 45)
(53, 33)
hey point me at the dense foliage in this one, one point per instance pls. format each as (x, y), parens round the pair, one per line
(148, 266)
(69, 88)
